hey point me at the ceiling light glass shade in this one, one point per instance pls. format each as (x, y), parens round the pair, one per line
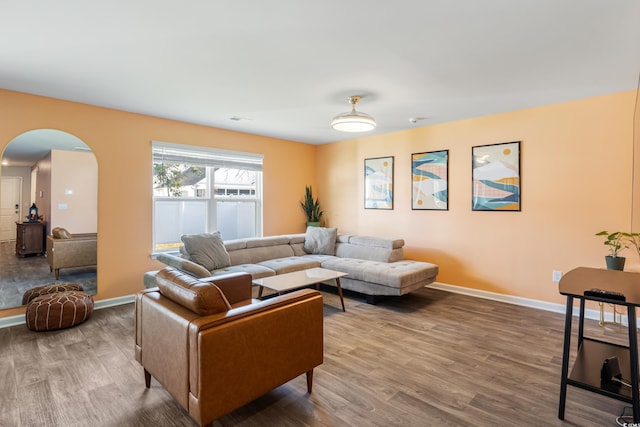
(353, 121)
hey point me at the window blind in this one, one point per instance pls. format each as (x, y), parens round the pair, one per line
(168, 153)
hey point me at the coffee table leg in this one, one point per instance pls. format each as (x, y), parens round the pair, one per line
(260, 289)
(340, 292)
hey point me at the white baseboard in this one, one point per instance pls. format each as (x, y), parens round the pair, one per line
(509, 299)
(7, 322)
(526, 302)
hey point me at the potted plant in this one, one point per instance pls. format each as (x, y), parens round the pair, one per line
(616, 242)
(634, 240)
(311, 208)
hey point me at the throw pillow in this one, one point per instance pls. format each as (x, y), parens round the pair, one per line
(207, 249)
(320, 240)
(61, 233)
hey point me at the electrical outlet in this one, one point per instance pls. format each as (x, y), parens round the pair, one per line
(556, 276)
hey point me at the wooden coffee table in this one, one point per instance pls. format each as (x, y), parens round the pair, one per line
(299, 279)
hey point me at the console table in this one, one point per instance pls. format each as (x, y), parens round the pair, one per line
(591, 353)
(30, 238)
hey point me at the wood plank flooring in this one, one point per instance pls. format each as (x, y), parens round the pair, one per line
(430, 358)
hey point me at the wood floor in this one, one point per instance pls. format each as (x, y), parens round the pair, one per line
(431, 358)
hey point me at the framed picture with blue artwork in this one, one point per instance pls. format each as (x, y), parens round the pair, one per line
(378, 183)
(430, 180)
(496, 177)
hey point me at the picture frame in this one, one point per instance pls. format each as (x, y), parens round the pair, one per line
(430, 180)
(496, 180)
(378, 183)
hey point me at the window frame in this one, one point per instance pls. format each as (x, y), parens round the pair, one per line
(212, 159)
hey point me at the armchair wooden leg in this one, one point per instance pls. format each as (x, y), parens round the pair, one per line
(309, 381)
(147, 378)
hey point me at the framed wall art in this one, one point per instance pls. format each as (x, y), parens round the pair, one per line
(378, 183)
(430, 180)
(496, 177)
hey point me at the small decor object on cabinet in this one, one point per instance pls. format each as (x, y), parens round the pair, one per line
(430, 180)
(378, 183)
(496, 177)
(33, 213)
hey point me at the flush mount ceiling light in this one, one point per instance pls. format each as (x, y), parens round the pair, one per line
(353, 121)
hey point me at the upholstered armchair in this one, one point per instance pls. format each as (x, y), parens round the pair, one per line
(215, 349)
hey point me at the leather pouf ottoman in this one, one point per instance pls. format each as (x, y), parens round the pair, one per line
(58, 310)
(49, 289)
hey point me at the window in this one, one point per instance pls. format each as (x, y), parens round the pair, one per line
(201, 190)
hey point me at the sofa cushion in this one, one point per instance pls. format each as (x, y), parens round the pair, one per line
(289, 264)
(373, 253)
(393, 274)
(318, 257)
(234, 245)
(296, 238)
(183, 253)
(320, 240)
(207, 249)
(258, 254)
(377, 242)
(261, 242)
(256, 271)
(61, 233)
(203, 298)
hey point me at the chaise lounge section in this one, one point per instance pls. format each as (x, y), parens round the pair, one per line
(375, 265)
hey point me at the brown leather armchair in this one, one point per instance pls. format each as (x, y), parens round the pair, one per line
(214, 349)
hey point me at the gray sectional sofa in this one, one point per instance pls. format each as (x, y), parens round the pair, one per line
(375, 265)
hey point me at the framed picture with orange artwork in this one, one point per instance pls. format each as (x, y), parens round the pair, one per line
(496, 183)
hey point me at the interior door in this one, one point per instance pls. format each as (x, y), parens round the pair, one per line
(10, 202)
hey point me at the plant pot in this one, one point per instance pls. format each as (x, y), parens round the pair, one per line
(313, 224)
(615, 262)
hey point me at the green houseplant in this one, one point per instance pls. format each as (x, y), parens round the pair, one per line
(617, 243)
(634, 240)
(311, 208)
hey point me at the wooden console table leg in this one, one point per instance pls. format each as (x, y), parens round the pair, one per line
(340, 292)
(147, 379)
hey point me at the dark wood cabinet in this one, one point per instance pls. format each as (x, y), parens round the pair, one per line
(30, 238)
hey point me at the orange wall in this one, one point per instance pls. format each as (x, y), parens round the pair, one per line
(121, 143)
(576, 166)
(576, 159)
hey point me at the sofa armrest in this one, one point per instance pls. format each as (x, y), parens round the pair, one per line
(184, 265)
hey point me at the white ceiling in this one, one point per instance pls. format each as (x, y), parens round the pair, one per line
(26, 149)
(286, 67)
